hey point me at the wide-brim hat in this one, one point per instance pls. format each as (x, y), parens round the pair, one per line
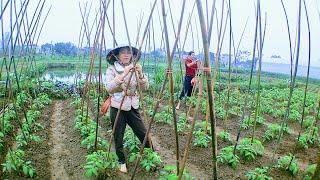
(112, 55)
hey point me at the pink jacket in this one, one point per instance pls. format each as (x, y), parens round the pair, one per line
(116, 89)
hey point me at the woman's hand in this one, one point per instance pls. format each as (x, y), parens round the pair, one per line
(120, 78)
(139, 70)
(127, 69)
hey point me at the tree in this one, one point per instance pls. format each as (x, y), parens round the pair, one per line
(47, 48)
(67, 49)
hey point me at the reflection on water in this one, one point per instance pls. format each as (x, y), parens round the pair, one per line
(69, 76)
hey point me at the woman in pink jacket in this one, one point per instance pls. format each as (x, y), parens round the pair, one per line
(117, 76)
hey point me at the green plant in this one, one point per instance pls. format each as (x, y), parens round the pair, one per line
(33, 115)
(260, 120)
(236, 110)
(97, 163)
(308, 122)
(273, 131)
(311, 136)
(15, 162)
(294, 115)
(169, 172)
(89, 142)
(258, 174)
(285, 161)
(181, 124)
(225, 136)
(201, 139)
(247, 122)
(164, 117)
(220, 112)
(77, 102)
(1, 141)
(9, 115)
(23, 100)
(23, 140)
(227, 156)
(131, 141)
(40, 102)
(149, 161)
(150, 111)
(310, 171)
(250, 148)
(192, 101)
(85, 128)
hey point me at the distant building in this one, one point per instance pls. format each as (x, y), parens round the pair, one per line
(244, 59)
(275, 56)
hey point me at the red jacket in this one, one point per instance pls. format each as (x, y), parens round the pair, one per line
(192, 70)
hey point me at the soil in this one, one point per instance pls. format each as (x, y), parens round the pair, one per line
(67, 156)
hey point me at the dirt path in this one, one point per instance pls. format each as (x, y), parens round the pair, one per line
(67, 157)
(58, 150)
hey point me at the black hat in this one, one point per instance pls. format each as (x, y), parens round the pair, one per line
(111, 56)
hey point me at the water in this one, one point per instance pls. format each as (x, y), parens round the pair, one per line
(68, 76)
(285, 69)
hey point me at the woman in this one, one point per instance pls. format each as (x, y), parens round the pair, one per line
(117, 78)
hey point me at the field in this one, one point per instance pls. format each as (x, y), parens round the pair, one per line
(243, 120)
(58, 138)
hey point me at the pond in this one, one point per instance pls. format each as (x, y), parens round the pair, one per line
(67, 75)
(73, 75)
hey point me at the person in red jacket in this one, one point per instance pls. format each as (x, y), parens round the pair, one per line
(192, 64)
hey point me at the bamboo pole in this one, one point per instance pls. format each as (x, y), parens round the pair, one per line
(289, 38)
(226, 105)
(102, 19)
(211, 21)
(189, 137)
(138, 29)
(114, 23)
(308, 72)
(292, 83)
(261, 37)
(170, 58)
(4, 8)
(306, 85)
(250, 82)
(209, 88)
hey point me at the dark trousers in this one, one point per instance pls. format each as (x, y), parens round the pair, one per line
(133, 119)
(187, 87)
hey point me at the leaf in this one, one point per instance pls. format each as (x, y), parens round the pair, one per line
(31, 172)
(25, 170)
(169, 168)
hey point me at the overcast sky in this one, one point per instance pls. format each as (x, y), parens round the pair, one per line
(64, 22)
